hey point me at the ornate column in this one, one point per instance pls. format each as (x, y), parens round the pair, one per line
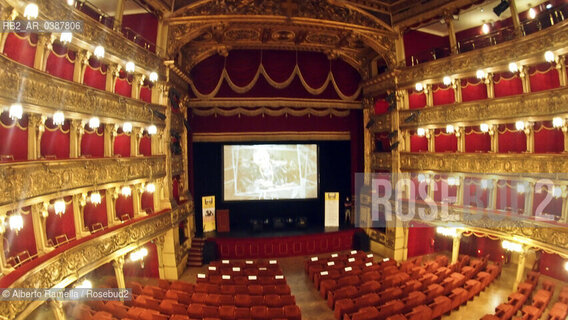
(456, 248)
(157, 142)
(159, 241)
(111, 76)
(137, 191)
(161, 37)
(6, 13)
(160, 93)
(367, 135)
(515, 17)
(56, 307)
(118, 15)
(169, 254)
(520, 269)
(39, 213)
(118, 265)
(561, 67)
(460, 134)
(399, 47)
(490, 87)
(431, 140)
(135, 136)
(4, 267)
(456, 84)
(529, 133)
(81, 62)
(460, 191)
(35, 130)
(524, 75)
(449, 20)
(564, 214)
(492, 195)
(429, 95)
(111, 196)
(529, 199)
(137, 82)
(77, 129)
(110, 133)
(42, 51)
(493, 132)
(79, 202)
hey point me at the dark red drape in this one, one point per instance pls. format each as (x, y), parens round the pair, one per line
(146, 94)
(95, 214)
(381, 106)
(442, 94)
(473, 89)
(93, 142)
(55, 140)
(477, 141)
(207, 73)
(445, 142)
(382, 142)
(14, 137)
(124, 205)
(420, 239)
(145, 145)
(16, 242)
(448, 196)
(95, 74)
(507, 84)
(21, 48)
(508, 198)
(544, 204)
(511, 139)
(148, 269)
(60, 62)
(416, 100)
(547, 139)
(147, 200)
(474, 194)
(552, 265)
(346, 77)
(543, 77)
(123, 85)
(145, 24)
(418, 143)
(57, 225)
(175, 188)
(122, 144)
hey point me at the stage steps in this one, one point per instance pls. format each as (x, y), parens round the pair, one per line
(195, 258)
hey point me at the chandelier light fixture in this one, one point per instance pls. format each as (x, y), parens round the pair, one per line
(126, 191)
(480, 74)
(549, 56)
(16, 111)
(484, 184)
(566, 266)
(127, 127)
(484, 127)
(447, 232)
(130, 66)
(99, 52)
(153, 77)
(94, 123)
(152, 129)
(150, 187)
(513, 67)
(512, 246)
(419, 86)
(139, 255)
(485, 28)
(421, 132)
(556, 191)
(453, 181)
(532, 13)
(16, 222)
(520, 125)
(66, 37)
(557, 122)
(59, 207)
(58, 118)
(520, 188)
(447, 80)
(85, 284)
(450, 128)
(31, 11)
(70, 2)
(96, 198)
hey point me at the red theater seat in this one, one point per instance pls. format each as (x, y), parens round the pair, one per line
(390, 308)
(366, 313)
(210, 312)
(440, 306)
(182, 286)
(292, 312)
(275, 313)
(242, 313)
(168, 306)
(198, 297)
(419, 313)
(342, 307)
(227, 312)
(259, 313)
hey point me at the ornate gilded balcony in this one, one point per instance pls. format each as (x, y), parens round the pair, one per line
(382, 123)
(177, 165)
(39, 178)
(43, 93)
(382, 161)
(485, 163)
(77, 260)
(538, 104)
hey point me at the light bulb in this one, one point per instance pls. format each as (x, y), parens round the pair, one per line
(447, 80)
(419, 86)
(557, 122)
(66, 37)
(153, 77)
(99, 52)
(520, 188)
(59, 207)
(484, 184)
(127, 127)
(556, 191)
(16, 111)
(16, 222)
(96, 198)
(421, 132)
(480, 74)
(450, 128)
(520, 125)
(94, 123)
(485, 28)
(484, 127)
(152, 129)
(130, 66)
(58, 118)
(532, 13)
(31, 11)
(513, 67)
(549, 56)
(126, 191)
(150, 187)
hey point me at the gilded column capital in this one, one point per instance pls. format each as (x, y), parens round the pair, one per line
(83, 56)
(78, 126)
(37, 121)
(118, 263)
(138, 78)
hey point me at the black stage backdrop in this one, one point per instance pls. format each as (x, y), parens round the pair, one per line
(334, 176)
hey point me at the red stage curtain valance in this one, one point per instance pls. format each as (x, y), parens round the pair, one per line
(445, 142)
(477, 141)
(416, 100)
(93, 214)
(147, 200)
(474, 193)
(21, 48)
(547, 139)
(442, 94)
(93, 142)
(61, 62)
(123, 85)
(124, 205)
(122, 144)
(418, 143)
(473, 89)
(145, 145)
(17, 242)
(55, 140)
(56, 225)
(507, 84)
(244, 70)
(95, 74)
(543, 77)
(14, 137)
(511, 139)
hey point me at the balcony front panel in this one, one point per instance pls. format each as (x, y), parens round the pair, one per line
(382, 123)
(382, 161)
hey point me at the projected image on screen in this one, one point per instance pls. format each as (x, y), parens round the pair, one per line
(270, 171)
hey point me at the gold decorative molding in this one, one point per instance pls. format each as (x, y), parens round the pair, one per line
(382, 123)
(273, 103)
(270, 136)
(382, 161)
(38, 178)
(43, 93)
(177, 122)
(177, 165)
(530, 106)
(75, 262)
(381, 83)
(485, 163)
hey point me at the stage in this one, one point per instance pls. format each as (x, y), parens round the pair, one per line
(245, 245)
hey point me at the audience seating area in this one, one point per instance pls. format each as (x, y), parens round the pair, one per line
(358, 289)
(517, 301)
(230, 290)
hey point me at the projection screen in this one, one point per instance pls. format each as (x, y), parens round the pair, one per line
(270, 172)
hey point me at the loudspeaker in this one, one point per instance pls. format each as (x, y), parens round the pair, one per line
(209, 252)
(501, 7)
(361, 241)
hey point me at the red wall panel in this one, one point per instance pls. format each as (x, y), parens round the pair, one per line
(93, 142)
(96, 214)
(21, 48)
(122, 145)
(56, 225)
(124, 205)
(14, 137)
(55, 140)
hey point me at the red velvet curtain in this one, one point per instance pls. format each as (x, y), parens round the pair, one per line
(148, 269)
(448, 196)
(547, 139)
(124, 205)
(474, 193)
(381, 106)
(382, 142)
(473, 89)
(543, 206)
(420, 239)
(122, 144)
(552, 265)
(21, 48)
(175, 188)
(511, 139)
(95, 213)
(93, 142)
(476, 141)
(508, 198)
(445, 142)
(146, 94)
(61, 62)
(16, 242)
(543, 77)
(95, 74)
(507, 84)
(55, 140)
(442, 94)
(145, 145)
(206, 74)
(418, 143)
(14, 137)
(56, 225)
(346, 77)
(416, 100)
(123, 85)
(147, 200)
